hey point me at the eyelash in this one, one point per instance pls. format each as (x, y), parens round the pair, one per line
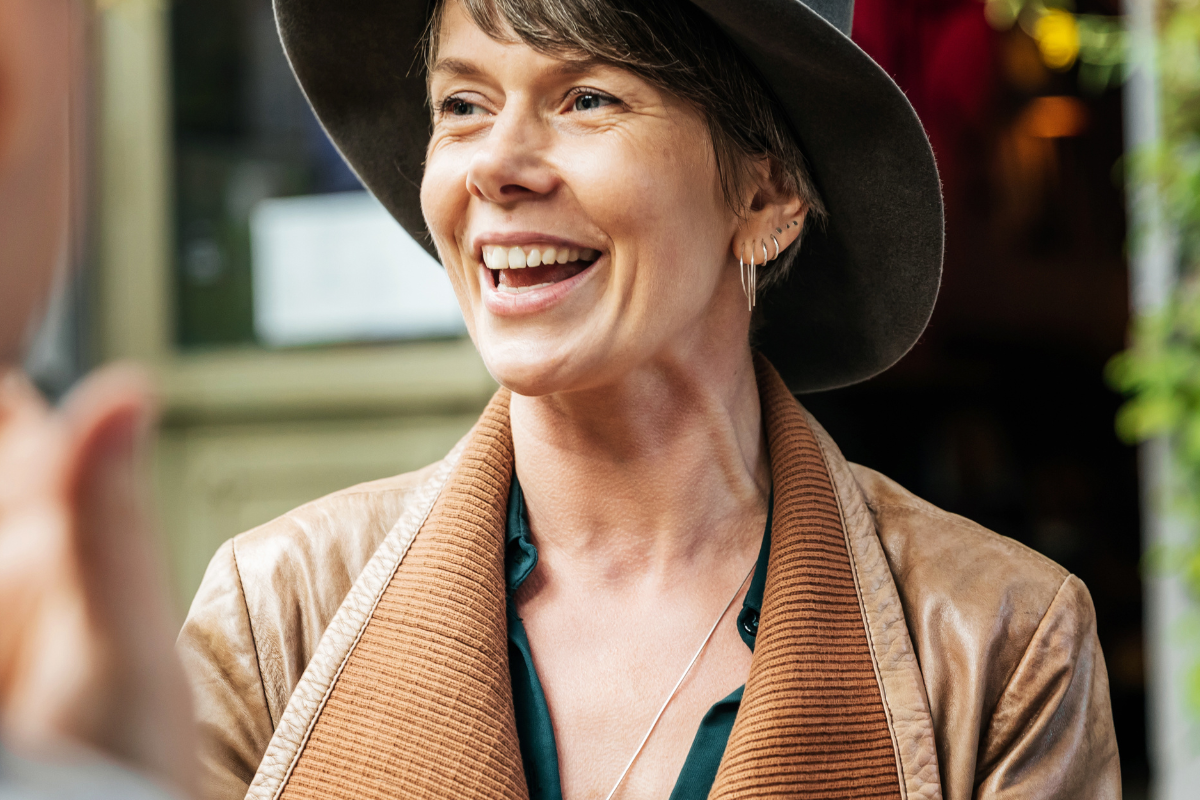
(445, 105)
(576, 93)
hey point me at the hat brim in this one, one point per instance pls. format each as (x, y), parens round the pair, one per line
(863, 285)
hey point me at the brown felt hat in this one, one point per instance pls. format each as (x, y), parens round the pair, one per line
(863, 285)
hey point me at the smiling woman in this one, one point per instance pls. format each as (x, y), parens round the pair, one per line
(647, 571)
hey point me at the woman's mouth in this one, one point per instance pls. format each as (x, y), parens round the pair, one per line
(516, 270)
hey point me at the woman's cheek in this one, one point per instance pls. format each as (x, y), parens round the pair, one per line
(444, 211)
(436, 203)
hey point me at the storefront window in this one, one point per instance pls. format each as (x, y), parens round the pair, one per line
(276, 243)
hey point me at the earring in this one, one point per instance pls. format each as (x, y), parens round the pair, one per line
(776, 241)
(753, 282)
(742, 268)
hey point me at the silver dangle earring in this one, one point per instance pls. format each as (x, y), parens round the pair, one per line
(742, 269)
(752, 293)
(748, 274)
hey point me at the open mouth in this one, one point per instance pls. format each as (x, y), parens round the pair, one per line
(516, 270)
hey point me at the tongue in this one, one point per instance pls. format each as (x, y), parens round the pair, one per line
(533, 276)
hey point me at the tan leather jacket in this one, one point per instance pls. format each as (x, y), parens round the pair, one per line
(985, 652)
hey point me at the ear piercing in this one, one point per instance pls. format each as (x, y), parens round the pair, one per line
(749, 272)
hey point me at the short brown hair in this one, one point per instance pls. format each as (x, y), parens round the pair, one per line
(673, 45)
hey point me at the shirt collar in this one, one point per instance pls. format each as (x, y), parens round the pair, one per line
(520, 553)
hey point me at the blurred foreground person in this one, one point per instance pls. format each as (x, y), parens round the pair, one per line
(646, 572)
(92, 701)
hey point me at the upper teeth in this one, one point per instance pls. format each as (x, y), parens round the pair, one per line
(496, 257)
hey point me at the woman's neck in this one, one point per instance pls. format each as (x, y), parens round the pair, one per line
(666, 470)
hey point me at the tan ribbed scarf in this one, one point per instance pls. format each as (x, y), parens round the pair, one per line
(423, 707)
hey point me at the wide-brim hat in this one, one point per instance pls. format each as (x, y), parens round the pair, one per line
(863, 285)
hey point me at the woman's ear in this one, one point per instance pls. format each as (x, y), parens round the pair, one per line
(773, 219)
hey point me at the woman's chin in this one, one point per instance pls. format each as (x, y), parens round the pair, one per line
(541, 375)
(531, 380)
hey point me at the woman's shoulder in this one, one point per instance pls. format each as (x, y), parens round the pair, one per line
(326, 541)
(1006, 643)
(944, 557)
(265, 602)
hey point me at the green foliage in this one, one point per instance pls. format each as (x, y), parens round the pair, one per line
(1161, 369)
(1103, 52)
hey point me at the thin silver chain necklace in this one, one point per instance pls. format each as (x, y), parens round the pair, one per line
(678, 684)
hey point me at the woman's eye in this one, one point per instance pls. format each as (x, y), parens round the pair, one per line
(589, 102)
(457, 107)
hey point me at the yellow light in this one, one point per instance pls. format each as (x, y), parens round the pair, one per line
(1057, 35)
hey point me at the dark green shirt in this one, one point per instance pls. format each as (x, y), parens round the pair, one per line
(539, 752)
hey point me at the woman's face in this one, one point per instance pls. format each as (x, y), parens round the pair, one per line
(534, 158)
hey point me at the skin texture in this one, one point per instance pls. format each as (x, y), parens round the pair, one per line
(635, 414)
(34, 155)
(86, 638)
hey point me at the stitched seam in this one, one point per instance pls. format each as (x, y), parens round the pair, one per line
(403, 551)
(862, 610)
(237, 571)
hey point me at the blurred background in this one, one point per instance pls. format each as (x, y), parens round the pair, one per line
(303, 343)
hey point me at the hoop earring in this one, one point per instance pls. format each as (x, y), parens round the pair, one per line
(776, 241)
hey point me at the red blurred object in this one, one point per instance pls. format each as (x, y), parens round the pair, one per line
(940, 52)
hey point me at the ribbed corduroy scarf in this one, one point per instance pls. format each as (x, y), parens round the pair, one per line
(423, 707)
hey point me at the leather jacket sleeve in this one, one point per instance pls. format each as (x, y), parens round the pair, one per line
(1051, 733)
(218, 651)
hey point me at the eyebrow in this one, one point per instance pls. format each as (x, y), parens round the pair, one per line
(454, 67)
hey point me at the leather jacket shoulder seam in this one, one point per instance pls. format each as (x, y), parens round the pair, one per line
(1033, 638)
(962, 522)
(237, 571)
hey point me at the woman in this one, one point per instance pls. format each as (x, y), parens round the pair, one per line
(646, 572)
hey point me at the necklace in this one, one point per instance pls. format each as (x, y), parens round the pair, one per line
(678, 684)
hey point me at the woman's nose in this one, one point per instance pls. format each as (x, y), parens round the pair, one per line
(510, 164)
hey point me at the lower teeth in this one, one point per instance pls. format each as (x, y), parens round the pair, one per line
(520, 289)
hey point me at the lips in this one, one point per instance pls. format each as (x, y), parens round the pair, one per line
(516, 270)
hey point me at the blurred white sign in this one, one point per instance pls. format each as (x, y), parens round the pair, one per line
(337, 268)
